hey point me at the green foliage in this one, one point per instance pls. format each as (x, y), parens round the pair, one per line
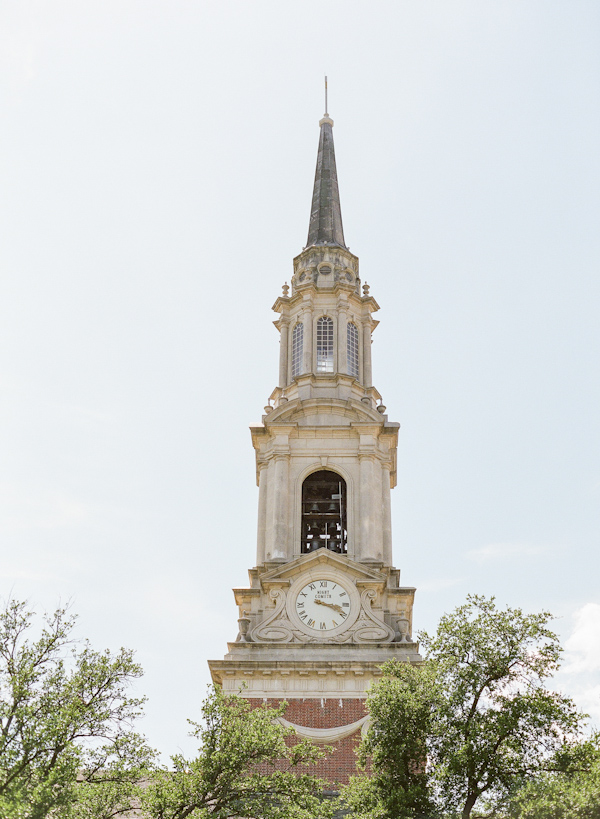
(481, 712)
(570, 790)
(65, 723)
(497, 722)
(244, 768)
(111, 784)
(398, 786)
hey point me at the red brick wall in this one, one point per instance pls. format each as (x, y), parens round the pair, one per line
(340, 763)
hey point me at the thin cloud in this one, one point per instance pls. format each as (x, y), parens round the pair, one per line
(33, 576)
(499, 551)
(582, 649)
(18, 64)
(579, 676)
(33, 507)
(440, 583)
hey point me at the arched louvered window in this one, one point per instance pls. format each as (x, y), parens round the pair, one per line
(297, 349)
(352, 349)
(325, 345)
(324, 512)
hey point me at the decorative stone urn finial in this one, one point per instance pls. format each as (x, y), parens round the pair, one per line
(402, 629)
(244, 624)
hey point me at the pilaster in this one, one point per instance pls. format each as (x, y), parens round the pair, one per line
(386, 507)
(262, 469)
(284, 325)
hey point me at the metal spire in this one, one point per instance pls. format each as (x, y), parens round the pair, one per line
(325, 226)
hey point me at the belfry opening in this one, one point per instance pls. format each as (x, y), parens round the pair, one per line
(324, 512)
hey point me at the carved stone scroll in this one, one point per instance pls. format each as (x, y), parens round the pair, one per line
(275, 629)
(369, 628)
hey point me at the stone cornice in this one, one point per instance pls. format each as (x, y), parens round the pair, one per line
(307, 678)
(330, 253)
(349, 407)
(241, 593)
(309, 294)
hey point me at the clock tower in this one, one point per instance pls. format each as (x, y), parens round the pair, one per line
(324, 608)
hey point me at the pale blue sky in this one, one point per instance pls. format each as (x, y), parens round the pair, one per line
(156, 166)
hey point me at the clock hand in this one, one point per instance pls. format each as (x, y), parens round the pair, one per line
(333, 606)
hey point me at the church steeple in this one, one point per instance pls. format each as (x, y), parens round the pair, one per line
(325, 226)
(324, 608)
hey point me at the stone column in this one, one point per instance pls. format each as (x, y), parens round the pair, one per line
(262, 513)
(367, 547)
(308, 341)
(280, 507)
(367, 374)
(268, 475)
(283, 353)
(387, 514)
(376, 550)
(342, 340)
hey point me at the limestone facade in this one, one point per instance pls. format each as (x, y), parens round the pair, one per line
(324, 608)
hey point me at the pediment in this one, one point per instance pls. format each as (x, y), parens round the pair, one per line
(323, 558)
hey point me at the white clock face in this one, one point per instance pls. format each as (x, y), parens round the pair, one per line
(323, 605)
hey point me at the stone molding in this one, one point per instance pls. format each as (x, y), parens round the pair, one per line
(327, 736)
(305, 679)
(377, 602)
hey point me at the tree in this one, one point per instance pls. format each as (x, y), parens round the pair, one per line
(67, 747)
(484, 718)
(570, 789)
(244, 768)
(398, 784)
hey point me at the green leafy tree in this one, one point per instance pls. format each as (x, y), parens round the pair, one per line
(485, 717)
(398, 785)
(244, 768)
(67, 747)
(111, 785)
(569, 789)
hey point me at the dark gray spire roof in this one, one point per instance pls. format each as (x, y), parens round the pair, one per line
(325, 226)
